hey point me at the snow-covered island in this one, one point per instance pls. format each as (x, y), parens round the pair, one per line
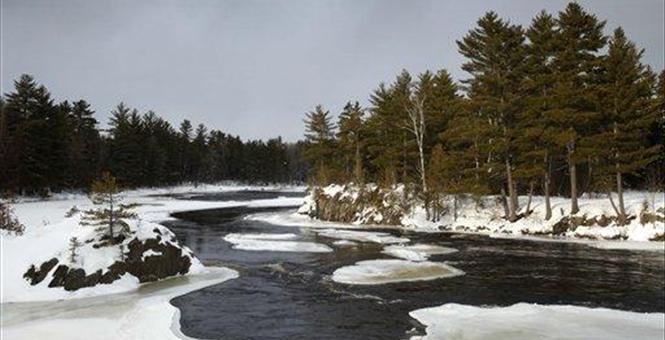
(372, 205)
(58, 257)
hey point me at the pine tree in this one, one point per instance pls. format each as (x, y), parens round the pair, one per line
(350, 137)
(496, 54)
(107, 219)
(538, 130)
(84, 145)
(625, 104)
(74, 245)
(320, 149)
(576, 62)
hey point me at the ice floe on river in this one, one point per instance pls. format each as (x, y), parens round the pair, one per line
(530, 321)
(274, 242)
(417, 252)
(362, 236)
(372, 272)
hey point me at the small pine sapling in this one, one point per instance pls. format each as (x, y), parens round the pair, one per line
(74, 245)
(108, 217)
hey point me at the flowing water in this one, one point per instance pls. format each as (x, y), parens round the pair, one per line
(290, 295)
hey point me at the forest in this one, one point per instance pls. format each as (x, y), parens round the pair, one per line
(555, 108)
(48, 147)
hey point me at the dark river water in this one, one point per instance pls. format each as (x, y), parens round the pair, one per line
(283, 295)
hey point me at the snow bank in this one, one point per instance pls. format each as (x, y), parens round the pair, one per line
(137, 315)
(417, 252)
(48, 232)
(372, 272)
(361, 236)
(594, 221)
(274, 242)
(527, 321)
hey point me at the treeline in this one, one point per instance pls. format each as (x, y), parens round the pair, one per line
(47, 146)
(553, 108)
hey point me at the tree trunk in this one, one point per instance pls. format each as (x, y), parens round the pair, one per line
(548, 205)
(573, 187)
(504, 202)
(622, 209)
(616, 210)
(512, 201)
(455, 208)
(111, 216)
(528, 203)
(358, 167)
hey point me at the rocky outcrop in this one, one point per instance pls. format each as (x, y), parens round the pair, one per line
(352, 204)
(147, 259)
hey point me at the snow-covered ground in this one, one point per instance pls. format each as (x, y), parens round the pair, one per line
(48, 232)
(145, 314)
(124, 309)
(487, 219)
(372, 272)
(528, 321)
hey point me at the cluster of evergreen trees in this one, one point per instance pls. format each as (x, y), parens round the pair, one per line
(47, 146)
(553, 108)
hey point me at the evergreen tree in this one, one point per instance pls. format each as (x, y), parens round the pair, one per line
(538, 130)
(320, 149)
(84, 146)
(625, 104)
(108, 217)
(349, 135)
(576, 62)
(496, 54)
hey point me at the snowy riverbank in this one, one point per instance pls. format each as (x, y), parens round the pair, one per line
(48, 231)
(594, 221)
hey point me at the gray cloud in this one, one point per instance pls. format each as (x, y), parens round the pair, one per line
(254, 67)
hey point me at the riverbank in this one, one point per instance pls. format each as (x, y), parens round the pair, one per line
(50, 225)
(594, 221)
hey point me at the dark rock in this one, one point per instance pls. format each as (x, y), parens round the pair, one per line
(170, 261)
(114, 272)
(59, 276)
(36, 276)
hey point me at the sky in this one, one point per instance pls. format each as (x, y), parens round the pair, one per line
(253, 68)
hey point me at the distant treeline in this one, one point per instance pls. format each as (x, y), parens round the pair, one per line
(47, 146)
(557, 107)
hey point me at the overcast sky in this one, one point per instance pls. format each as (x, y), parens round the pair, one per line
(254, 68)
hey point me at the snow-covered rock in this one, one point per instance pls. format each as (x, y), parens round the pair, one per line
(595, 220)
(274, 242)
(417, 252)
(527, 321)
(147, 252)
(372, 272)
(361, 236)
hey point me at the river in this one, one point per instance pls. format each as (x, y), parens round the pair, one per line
(290, 295)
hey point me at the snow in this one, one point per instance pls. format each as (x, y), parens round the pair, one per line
(529, 321)
(147, 314)
(345, 243)
(274, 242)
(149, 253)
(362, 236)
(48, 232)
(417, 252)
(488, 218)
(372, 272)
(300, 220)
